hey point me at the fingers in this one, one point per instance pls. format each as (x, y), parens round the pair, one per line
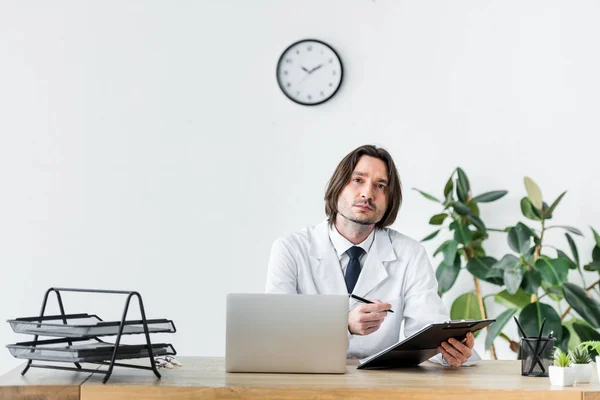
(365, 319)
(460, 347)
(450, 359)
(455, 352)
(470, 343)
(372, 329)
(377, 306)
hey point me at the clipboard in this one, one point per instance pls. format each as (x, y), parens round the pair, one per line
(422, 345)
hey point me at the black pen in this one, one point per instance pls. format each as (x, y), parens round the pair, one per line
(364, 300)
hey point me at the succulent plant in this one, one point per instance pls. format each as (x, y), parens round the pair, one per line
(580, 355)
(561, 359)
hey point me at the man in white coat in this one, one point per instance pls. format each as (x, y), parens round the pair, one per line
(353, 251)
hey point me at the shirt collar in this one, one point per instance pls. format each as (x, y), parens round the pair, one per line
(341, 244)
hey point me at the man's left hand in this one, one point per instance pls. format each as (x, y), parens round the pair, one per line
(455, 352)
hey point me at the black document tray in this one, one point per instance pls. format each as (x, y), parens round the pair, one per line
(423, 345)
(85, 325)
(84, 350)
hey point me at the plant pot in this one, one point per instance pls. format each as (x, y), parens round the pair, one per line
(582, 372)
(561, 376)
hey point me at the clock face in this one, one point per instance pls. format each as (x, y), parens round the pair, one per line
(309, 72)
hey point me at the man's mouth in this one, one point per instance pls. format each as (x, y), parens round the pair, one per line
(363, 206)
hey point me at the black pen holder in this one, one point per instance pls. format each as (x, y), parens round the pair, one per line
(536, 363)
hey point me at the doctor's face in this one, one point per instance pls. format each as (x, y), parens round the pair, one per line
(364, 199)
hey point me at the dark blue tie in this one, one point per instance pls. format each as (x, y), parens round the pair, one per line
(353, 268)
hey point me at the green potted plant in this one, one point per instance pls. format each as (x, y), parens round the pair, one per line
(581, 364)
(594, 346)
(561, 373)
(531, 281)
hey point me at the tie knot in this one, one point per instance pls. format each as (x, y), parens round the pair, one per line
(355, 252)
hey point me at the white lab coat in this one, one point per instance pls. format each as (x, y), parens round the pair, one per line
(396, 270)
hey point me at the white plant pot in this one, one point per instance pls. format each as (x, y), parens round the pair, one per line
(561, 376)
(583, 372)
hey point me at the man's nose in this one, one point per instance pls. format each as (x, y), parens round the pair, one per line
(367, 192)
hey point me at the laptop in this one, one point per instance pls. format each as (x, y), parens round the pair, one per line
(289, 333)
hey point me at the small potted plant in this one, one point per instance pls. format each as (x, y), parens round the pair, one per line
(561, 373)
(595, 346)
(581, 364)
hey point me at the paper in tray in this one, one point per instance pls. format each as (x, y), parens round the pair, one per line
(85, 325)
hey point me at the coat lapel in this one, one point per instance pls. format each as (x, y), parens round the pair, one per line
(374, 269)
(325, 262)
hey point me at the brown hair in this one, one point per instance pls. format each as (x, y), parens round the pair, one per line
(343, 173)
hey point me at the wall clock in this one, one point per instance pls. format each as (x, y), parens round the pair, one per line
(309, 72)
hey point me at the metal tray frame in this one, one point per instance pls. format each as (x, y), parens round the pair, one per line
(92, 350)
(39, 326)
(111, 364)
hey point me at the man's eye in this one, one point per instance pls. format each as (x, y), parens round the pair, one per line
(356, 180)
(382, 187)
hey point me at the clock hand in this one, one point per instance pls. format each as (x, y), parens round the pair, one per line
(306, 70)
(315, 68)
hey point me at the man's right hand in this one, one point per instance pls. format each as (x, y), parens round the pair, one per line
(365, 319)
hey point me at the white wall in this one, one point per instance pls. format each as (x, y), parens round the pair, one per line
(145, 145)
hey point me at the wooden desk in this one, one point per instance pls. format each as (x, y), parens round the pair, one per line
(42, 384)
(205, 378)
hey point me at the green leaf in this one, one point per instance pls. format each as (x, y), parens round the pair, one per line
(477, 222)
(480, 267)
(554, 291)
(495, 274)
(593, 266)
(438, 219)
(480, 235)
(528, 258)
(533, 314)
(461, 208)
(527, 209)
(546, 211)
(585, 332)
(574, 339)
(463, 234)
(573, 247)
(518, 300)
(519, 238)
(431, 235)
(428, 196)
(496, 327)
(462, 186)
(581, 331)
(442, 247)
(554, 271)
(567, 259)
(489, 196)
(596, 237)
(588, 308)
(513, 278)
(596, 253)
(466, 306)
(532, 281)
(449, 186)
(569, 228)
(533, 192)
(450, 251)
(446, 275)
(553, 206)
(473, 207)
(507, 262)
